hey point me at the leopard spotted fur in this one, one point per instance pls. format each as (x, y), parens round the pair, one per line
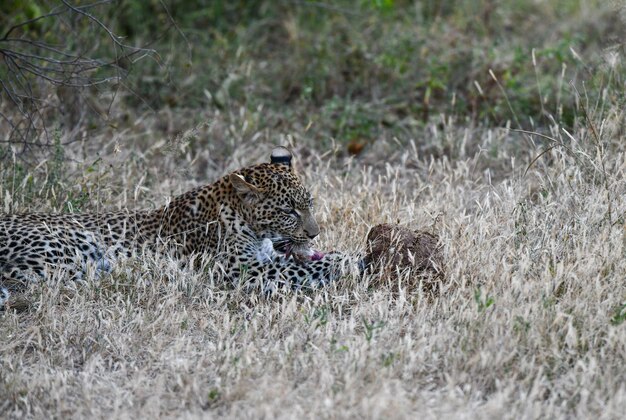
(257, 221)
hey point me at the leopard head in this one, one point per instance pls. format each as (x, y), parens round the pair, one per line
(278, 205)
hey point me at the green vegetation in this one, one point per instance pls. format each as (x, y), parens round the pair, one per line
(357, 71)
(499, 125)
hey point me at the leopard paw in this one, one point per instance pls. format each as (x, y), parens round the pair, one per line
(4, 297)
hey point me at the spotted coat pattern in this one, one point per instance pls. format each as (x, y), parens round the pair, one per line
(258, 221)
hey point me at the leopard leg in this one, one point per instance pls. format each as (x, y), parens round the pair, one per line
(276, 272)
(4, 297)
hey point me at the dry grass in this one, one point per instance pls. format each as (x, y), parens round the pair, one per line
(530, 321)
(527, 325)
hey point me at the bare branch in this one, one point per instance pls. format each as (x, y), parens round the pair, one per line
(32, 64)
(91, 17)
(29, 21)
(180, 32)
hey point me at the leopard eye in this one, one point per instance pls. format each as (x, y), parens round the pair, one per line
(291, 212)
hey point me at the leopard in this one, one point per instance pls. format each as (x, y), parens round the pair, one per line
(257, 221)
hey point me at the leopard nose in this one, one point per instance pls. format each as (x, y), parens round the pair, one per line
(310, 226)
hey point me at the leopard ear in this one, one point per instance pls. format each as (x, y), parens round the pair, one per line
(281, 155)
(247, 192)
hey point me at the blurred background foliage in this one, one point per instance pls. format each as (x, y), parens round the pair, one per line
(360, 69)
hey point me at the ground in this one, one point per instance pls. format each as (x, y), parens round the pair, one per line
(529, 323)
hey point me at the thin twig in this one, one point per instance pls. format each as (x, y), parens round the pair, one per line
(600, 151)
